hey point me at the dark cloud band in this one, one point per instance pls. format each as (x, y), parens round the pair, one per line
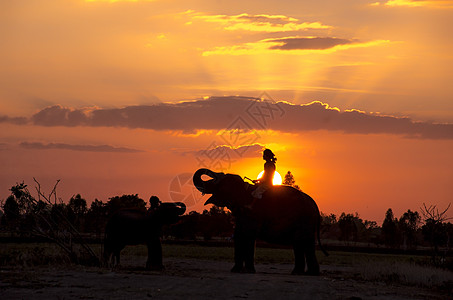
(242, 113)
(89, 148)
(317, 43)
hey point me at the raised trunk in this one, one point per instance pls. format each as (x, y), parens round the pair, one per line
(206, 187)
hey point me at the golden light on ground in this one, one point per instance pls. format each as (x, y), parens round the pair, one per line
(277, 180)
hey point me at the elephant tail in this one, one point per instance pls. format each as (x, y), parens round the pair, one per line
(319, 237)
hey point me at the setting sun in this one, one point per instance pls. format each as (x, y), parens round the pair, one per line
(277, 180)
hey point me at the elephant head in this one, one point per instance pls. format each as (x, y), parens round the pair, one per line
(228, 190)
(169, 212)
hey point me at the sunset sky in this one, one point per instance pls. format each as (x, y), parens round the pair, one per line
(132, 97)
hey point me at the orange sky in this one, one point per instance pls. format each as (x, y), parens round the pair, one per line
(113, 97)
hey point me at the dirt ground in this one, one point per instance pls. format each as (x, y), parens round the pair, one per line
(196, 279)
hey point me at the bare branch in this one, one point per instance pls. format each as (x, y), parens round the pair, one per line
(432, 212)
(59, 228)
(54, 191)
(38, 189)
(443, 213)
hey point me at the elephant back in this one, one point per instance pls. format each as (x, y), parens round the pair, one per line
(286, 201)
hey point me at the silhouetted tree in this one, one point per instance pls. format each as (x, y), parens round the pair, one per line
(348, 227)
(408, 225)
(371, 232)
(188, 227)
(76, 210)
(11, 214)
(125, 201)
(390, 229)
(435, 230)
(96, 217)
(25, 206)
(215, 222)
(60, 210)
(327, 221)
(329, 226)
(290, 180)
(26, 202)
(221, 220)
(78, 205)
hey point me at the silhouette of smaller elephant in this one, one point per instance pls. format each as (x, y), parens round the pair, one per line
(133, 227)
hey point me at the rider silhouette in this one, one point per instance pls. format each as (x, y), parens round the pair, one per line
(265, 182)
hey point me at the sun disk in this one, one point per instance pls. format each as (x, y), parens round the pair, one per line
(277, 180)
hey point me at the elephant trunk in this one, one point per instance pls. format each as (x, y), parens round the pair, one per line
(177, 208)
(205, 186)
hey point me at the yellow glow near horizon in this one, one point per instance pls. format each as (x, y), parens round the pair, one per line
(265, 47)
(114, 1)
(277, 180)
(415, 3)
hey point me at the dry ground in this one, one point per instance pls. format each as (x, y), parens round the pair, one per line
(197, 279)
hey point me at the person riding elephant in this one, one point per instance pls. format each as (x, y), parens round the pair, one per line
(265, 182)
(284, 215)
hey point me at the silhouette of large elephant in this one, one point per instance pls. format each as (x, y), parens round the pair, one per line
(133, 226)
(284, 215)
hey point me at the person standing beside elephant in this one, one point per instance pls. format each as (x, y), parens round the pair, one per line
(265, 182)
(154, 203)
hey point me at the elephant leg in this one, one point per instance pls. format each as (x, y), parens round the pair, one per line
(299, 259)
(238, 255)
(154, 261)
(244, 252)
(310, 256)
(250, 256)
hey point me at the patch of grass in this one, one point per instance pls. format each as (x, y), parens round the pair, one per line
(36, 254)
(26, 255)
(409, 270)
(355, 258)
(407, 273)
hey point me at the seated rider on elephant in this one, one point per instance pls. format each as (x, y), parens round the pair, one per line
(265, 182)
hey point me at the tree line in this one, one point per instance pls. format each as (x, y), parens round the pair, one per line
(25, 215)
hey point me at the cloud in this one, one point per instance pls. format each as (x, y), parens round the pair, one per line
(293, 45)
(242, 114)
(88, 148)
(13, 120)
(315, 43)
(448, 4)
(60, 115)
(259, 23)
